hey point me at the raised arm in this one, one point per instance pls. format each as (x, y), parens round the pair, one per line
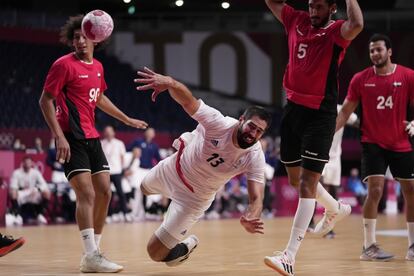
(276, 7)
(347, 108)
(159, 83)
(251, 219)
(106, 105)
(355, 23)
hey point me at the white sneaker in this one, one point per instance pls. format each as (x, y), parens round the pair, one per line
(41, 219)
(327, 223)
(18, 220)
(10, 220)
(97, 262)
(129, 217)
(191, 242)
(281, 263)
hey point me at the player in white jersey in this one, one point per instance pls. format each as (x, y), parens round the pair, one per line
(331, 174)
(218, 149)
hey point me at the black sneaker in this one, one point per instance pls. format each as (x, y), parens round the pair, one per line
(8, 244)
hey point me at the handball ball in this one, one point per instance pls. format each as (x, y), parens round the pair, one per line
(97, 25)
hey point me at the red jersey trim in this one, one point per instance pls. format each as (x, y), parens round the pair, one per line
(178, 166)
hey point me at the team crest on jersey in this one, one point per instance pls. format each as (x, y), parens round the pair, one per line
(214, 142)
(99, 75)
(397, 84)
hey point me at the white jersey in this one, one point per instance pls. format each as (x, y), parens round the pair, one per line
(211, 159)
(26, 180)
(114, 150)
(336, 147)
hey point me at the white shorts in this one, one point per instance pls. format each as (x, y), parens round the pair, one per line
(332, 172)
(185, 208)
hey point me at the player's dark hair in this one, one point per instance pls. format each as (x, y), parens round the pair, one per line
(259, 112)
(68, 30)
(381, 37)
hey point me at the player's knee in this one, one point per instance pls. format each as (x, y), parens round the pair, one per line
(295, 182)
(86, 197)
(154, 252)
(375, 194)
(144, 190)
(105, 193)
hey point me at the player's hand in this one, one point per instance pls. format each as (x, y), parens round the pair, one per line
(136, 123)
(409, 127)
(253, 225)
(62, 150)
(154, 81)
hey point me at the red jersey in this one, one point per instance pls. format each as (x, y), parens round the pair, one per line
(385, 101)
(314, 58)
(76, 85)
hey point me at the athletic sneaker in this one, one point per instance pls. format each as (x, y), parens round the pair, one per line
(281, 263)
(327, 223)
(330, 235)
(375, 253)
(191, 242)
(96, 262)
(8, 244)
(410, 253)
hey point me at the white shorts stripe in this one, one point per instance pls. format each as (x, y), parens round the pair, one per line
(100, 172)
(77, 170)
(365, 180)
(317, 159)
(290, 162)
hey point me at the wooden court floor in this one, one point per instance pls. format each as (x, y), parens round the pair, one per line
(224, 249)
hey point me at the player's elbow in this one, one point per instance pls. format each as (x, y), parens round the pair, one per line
(357, 26)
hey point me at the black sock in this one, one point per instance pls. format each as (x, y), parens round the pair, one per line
(178, 251)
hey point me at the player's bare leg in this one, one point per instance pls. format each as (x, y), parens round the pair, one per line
(371, 251)
(407, 187)
(92, 260)
(103, 193)
(283, 262)
(334, 210)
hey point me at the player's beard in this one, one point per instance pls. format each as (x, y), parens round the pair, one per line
(381, 64)
(241, 139)
(322, 23)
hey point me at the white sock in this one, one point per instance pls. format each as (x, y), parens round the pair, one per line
(88, 240)
(325, 199)
(410, 227)
(369, 231)
(303, 216)
(98, 238)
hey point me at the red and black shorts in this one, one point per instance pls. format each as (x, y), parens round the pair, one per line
(86, 156)
(376, 159)
(306, 137)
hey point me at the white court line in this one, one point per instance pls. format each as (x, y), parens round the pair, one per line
(393, 233)
(245, 264)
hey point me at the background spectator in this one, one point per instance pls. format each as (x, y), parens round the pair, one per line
(29, 192)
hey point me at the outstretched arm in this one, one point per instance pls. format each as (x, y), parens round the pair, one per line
(251, 219)
(347, 108)
(159, 83)
(276, 7)
(105, 104)
(355, 23)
